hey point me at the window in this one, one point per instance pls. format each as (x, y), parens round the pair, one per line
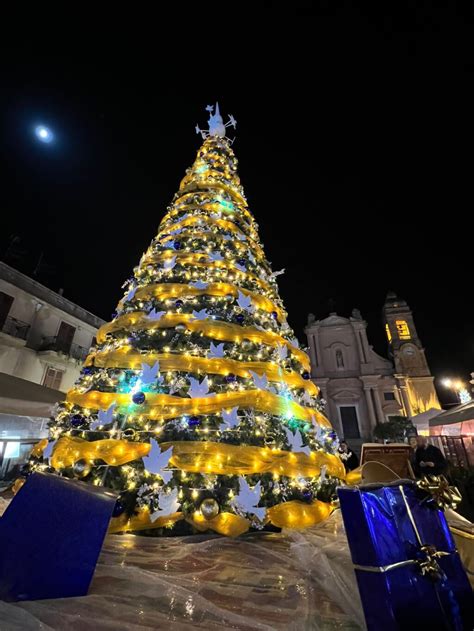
(402, 329)
(389, 335)
(52, 378)
(65, 337)
(349, 421)
(389, 396)
(339, 359)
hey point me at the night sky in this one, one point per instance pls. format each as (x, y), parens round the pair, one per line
(355, 143)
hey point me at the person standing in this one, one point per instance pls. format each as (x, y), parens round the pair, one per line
(348, 457)
(429, 459)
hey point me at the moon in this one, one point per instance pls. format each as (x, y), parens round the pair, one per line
(44, 134)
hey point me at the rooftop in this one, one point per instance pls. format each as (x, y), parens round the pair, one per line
(41, 292)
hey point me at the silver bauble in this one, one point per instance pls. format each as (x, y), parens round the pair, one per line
(209, 508)
(81, 468)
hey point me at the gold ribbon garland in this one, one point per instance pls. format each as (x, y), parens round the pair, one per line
(142, 521)
(167, 406)
(227, 524)
(180, 290)
(198, 457)
(224, 459)
(220, 331)
(126, 358)
(225, 224)
(70, 449)
(202, 260)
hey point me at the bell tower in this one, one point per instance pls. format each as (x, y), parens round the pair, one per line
(412, 370)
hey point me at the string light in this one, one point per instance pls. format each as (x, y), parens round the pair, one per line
(202, 304)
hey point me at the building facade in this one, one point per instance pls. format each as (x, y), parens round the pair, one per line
(361, 388)
(44, 338)
(411, 368)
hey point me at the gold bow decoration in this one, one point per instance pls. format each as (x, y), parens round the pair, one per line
(444, 495)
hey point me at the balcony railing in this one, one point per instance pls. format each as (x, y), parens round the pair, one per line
(15, 328)
(60, 346)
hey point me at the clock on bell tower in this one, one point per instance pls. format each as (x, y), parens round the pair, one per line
(409, 356)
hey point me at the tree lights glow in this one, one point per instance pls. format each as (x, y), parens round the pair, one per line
(200, 363)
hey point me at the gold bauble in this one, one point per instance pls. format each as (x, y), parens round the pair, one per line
(81, 468)
(209, 508)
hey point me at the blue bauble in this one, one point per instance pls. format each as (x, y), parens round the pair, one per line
(306, 375)
(307, 496)
(230, 378)
(179, 303)
(193, 421)
(241, 261)
(240, 318)
(87, 370)
(77, 420)
(138, 398)
(274, 315)
(178, 245)
(118, 509)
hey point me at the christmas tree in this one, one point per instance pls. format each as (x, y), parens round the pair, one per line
(196, 403)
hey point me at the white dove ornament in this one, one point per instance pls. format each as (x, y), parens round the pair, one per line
(245, 302)
(247, 499)
(230, 418)
(296, 442)
(261, 383)
(149, 373)
(167, 505)
(157, 460)
(104, 417)
(216, 351)
(198, 390)
(156, 315)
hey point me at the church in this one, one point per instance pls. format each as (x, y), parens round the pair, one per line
(361, 388)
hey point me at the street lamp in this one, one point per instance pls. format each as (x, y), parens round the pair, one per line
(459, 388)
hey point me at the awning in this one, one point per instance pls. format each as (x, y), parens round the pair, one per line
(458, 414)
(25, 398)
(422, 421)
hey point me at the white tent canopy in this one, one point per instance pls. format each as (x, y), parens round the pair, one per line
(422, 421)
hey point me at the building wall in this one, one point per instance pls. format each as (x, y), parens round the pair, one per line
(43, 311)
(352, 378)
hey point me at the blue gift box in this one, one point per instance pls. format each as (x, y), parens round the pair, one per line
(50, 538)
(408, 571)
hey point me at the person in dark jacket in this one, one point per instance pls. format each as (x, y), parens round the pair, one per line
(348, 457)
(429, 459)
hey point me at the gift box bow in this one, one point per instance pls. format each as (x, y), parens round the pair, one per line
(443, 495)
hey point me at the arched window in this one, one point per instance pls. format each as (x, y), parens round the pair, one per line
(339, 359)
(402, 329)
